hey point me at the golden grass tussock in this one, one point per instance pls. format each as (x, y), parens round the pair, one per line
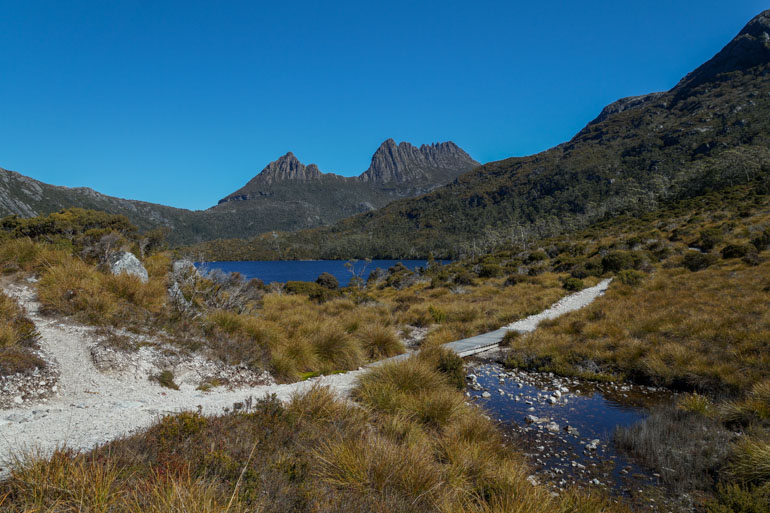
(379, 464)
(708, 330)
(69, 482)
(380, 341)
(16, 329)
(750, 461)
(74, 287)
(27, 255)
(335, 348)
(18, 339)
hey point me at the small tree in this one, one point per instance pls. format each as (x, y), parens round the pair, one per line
(357, 278)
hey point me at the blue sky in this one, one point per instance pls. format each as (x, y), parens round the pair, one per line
(182, 102)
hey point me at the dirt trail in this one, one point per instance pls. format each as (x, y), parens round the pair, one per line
(92, 407)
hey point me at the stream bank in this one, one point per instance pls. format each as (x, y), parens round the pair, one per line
(565, 427)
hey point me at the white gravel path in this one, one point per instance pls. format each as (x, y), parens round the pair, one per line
(92, 407)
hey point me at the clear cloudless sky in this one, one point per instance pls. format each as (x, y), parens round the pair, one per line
(182, 102)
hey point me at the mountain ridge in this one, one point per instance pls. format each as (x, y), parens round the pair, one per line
(286, 195)
(400, 164)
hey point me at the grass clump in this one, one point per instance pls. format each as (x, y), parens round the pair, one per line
(686, 448)
(166, 379)
(381, 342)
(736, 498)
(750, 461)
(18, 339)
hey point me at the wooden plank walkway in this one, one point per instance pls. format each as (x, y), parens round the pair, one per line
(486, 341)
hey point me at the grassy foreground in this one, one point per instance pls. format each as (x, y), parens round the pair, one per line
(408, 443)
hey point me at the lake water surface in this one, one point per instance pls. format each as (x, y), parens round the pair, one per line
(281, 271)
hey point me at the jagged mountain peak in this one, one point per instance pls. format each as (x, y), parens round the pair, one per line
(287, 167)
(749, 49)
(403, 162)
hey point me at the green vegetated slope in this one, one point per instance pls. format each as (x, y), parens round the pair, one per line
(708, 132)
(26, 197)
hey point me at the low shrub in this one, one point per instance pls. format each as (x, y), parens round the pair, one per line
(696, 261)
(514, 279)
(166, 379)
(490, 271)
(537, 256)
(762, 241)
(312, 290)
(630, 277)
(735, 251)
(328, 281)
(573, 284)
(616, 261)
(736, 498)
(709, 238)
(464, 278)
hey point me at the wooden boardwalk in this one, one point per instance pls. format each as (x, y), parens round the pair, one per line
(486, 341)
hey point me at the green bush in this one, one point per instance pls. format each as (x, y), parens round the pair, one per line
(464, 278)
(709, 238)
(490, 271)
(328, 281)
(537, 256)
(312, 290)
(514, 279)
(573, 284)
(630, 277)
(733, 498)
(695, 261)
(762, 242)
(438, 314)
(616, 261)
(166, 379)
(735, 251)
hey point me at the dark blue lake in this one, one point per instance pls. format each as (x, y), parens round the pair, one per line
(281, 271)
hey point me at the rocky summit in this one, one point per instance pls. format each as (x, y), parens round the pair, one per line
(404, 163)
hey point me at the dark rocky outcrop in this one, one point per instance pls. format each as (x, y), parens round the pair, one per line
(405, 163)
(749, 49)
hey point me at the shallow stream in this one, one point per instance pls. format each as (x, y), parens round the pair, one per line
(565, 426)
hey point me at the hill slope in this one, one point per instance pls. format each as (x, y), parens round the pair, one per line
(712, 130)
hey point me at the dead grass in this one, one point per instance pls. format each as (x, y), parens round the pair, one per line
(17, 339)
(686, 448)
(74, 287)
(708, 331)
